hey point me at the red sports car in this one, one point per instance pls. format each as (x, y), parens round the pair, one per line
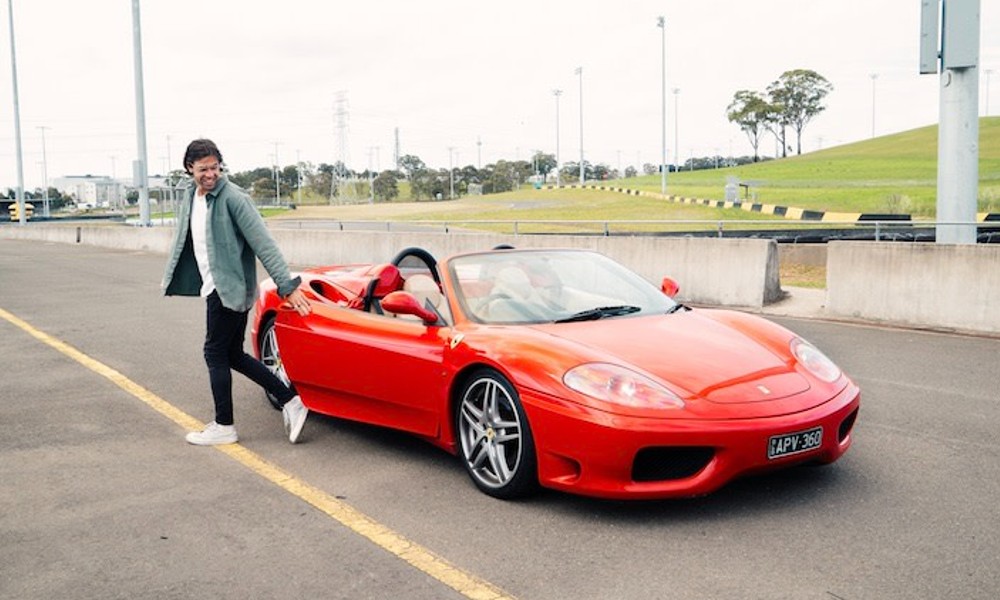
(558, 368)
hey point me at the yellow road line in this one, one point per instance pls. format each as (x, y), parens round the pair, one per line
(416, 555)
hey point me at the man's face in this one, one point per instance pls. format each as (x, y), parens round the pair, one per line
(205, 172)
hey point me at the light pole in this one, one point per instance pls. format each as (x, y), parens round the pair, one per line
(141, 169)
(557, 93)
(45, 176)
(661, 22)
(677, 155)
(22, 217)
(874, 76)
(579, 71)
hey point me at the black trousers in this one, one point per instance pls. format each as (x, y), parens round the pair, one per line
(225, 330)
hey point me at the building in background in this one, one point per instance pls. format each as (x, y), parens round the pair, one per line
(92, 191)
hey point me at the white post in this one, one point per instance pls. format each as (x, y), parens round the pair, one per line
(579, 71)
(958, 128)
(958, 156)
(17, 119)
(142, 181)
(661, 22)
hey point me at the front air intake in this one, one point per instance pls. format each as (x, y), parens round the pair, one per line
(666, 463)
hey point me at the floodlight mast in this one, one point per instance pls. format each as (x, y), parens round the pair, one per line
(579, 71)
(140, 170)
(22, 217)
(949, 39)
(661, 22)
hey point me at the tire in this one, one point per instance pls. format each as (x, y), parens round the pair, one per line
(495, 442)
(270, 356)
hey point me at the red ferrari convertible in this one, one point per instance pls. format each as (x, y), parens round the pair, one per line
(558, 368)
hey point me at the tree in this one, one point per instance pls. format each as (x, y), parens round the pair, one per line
(385, 186)
(545, 163)
(504, 178)
(428, 184)
(601, 172)
(749, 110)
(776, 122)
(798, 95)
(411, 165)
(320, 181)
(262, 188)
(290, 177)
(247, 179)
(470, 174)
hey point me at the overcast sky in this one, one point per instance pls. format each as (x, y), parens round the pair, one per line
(261, 77)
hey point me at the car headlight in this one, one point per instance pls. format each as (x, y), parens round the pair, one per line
(815, 361)
(619, 385)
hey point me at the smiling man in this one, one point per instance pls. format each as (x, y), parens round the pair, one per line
(220, 235)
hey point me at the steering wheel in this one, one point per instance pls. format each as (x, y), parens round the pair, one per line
(424, 257)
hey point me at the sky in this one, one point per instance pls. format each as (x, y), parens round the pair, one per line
(460, 82)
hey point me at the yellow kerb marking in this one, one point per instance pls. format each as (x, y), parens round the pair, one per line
(419, 557)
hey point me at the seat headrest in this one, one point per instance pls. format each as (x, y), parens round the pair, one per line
(389, 279)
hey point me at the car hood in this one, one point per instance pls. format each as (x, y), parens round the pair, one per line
(692, 353)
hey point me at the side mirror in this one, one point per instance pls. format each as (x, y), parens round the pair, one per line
(669, 287)
(405, 303)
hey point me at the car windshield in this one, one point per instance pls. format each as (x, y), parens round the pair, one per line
(544, 286)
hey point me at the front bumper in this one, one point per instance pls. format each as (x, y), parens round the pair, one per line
(588, 452)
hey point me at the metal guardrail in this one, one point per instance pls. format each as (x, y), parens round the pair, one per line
(877, 229)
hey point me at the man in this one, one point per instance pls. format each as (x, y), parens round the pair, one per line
(219, 237)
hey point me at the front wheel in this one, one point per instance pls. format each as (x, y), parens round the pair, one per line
(495, 441)
(270, 356)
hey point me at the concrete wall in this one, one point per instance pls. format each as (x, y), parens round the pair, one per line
(935, 286)
(731, 272)
(727, 272)
(121, 237)
(925, 285)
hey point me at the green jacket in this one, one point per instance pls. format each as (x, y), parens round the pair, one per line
(236, 237)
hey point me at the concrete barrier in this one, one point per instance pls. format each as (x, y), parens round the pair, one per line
(727, 272)
(730, 272)
(120, 237)
(939, 286)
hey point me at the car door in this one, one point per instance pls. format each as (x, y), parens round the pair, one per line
(367, 367)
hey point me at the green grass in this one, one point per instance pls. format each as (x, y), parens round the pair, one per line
(895, 173)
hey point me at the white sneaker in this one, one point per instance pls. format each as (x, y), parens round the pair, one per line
(294, 413)
(213, 435)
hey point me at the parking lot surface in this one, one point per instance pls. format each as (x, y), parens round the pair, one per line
(102, 498)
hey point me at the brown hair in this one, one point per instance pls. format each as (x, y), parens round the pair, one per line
(198, 150)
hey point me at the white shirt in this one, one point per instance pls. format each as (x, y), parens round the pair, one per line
(199, 239)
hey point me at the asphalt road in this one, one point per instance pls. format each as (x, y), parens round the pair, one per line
(101, 498)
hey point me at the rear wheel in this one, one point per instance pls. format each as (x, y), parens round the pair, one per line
(271, 357)
(495, 441)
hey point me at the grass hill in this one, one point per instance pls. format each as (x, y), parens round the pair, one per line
(893, 173)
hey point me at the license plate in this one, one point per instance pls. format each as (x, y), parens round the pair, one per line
(779, 446)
